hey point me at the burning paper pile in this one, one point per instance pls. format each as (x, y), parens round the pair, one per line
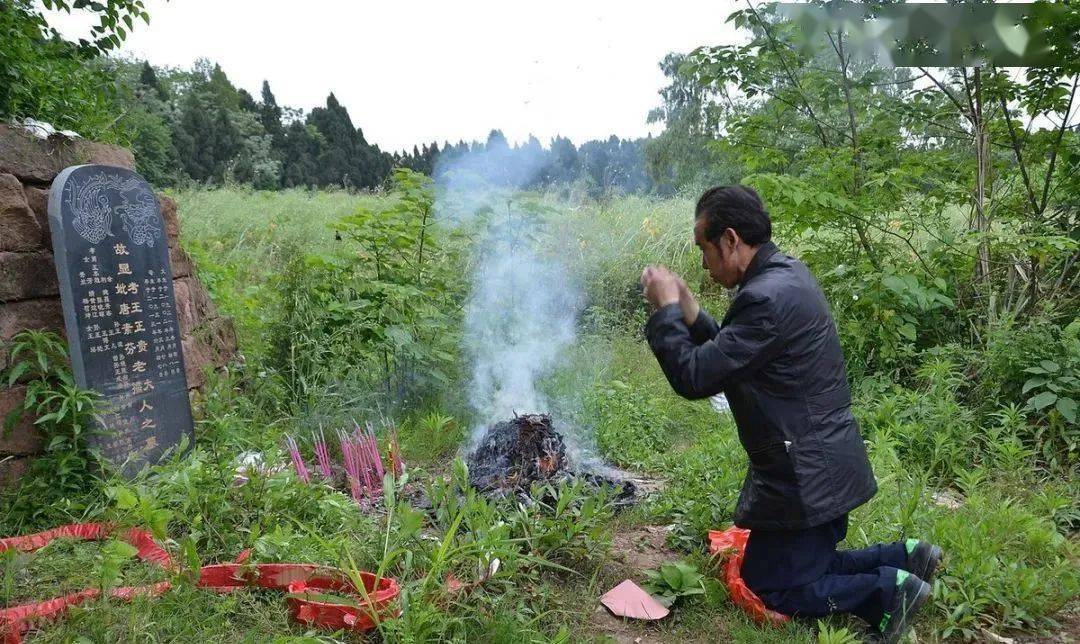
(514, 454)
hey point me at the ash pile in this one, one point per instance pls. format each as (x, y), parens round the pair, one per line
(527, 449)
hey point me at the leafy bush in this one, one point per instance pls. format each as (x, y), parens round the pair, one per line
(671, 582)
(385, 308)
(62, 480)
(1005, 567)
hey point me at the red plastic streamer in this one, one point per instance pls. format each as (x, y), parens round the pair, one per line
(729, 545)
(360, 615)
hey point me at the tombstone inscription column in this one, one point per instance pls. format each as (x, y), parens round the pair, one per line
(112, 260)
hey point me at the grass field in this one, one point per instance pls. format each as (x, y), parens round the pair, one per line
(1011, 565)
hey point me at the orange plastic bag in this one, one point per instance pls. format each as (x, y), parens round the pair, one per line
(729, 546)
(376, 602)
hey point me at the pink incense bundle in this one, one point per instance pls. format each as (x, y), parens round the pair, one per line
(373, 464)
(396, 462)
(351, 463)
(371, 481)
(373, 450)
(369, 450)
(297, 460)
(323, 456)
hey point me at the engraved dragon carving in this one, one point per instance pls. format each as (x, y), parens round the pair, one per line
(93, 214)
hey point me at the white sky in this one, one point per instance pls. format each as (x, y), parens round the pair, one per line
(413, 72)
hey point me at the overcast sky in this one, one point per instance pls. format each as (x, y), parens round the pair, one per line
(412, 72)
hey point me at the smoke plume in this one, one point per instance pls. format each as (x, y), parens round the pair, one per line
(523, 304)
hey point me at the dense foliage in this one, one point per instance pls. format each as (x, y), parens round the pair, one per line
(937, 204)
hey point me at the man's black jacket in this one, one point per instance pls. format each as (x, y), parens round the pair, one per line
(777, 358)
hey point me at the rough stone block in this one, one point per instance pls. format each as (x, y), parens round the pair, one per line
(11, 469)
(172, 220)
(193, 305)
(38, 160)
(19, 227)
(223, 339)
(24, 438)
(41, 315)
(180, 262)
(212, 345)
(27, 275)
(38, 200)
(198, 355)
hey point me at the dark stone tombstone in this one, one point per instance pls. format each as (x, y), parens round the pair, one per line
(112, 259)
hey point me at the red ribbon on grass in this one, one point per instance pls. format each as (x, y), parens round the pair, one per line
(296, 579)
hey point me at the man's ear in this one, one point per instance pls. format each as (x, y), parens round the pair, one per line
(730, 238)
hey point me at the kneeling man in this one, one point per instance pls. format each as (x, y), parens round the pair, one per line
(776, 356)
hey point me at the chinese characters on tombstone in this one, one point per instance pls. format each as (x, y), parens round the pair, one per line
(112, 260)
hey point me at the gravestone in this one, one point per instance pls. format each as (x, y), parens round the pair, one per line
(116, 289)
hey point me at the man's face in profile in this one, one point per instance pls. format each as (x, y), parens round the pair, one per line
(718, 257)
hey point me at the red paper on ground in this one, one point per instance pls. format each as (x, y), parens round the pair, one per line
(629, 600)
(729, 545)
(296, 579)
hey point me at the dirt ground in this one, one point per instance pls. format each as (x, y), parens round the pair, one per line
(632, 550)
(1069, 633)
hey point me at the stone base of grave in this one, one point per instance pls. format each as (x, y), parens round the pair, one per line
(29, 296)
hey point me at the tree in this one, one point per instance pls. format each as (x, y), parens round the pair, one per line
(564, 166)
(301, 150)
(149, 80)
(682, 154)
(206, 139)
(34, 57)
(346, 159)
(270, 115)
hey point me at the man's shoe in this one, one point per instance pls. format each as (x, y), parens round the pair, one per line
(911, 594)
(922, 559)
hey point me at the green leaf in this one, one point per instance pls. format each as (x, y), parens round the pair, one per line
(1067, 407)
(17, 371)
(894, 284)
(120, 550)
(672, 576)
(1043, 400)
(125, 498)
(159, 523)
(665, 600)
(190, 555)
(1037, 381)
(1050, 366)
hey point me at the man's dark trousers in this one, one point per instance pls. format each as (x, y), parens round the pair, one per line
(801, 573)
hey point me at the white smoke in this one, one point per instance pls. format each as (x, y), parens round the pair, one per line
(521, 314)
(523, 304)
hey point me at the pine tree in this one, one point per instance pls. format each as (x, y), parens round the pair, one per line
(346, 159)
(431, 157)
(221, 90)
(564, 166)
(496, 141)
(247, 101)
(148, 79)
(270, 117)
(301, 150)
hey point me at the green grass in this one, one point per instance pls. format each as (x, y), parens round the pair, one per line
(241, 239)
(1011, 561)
